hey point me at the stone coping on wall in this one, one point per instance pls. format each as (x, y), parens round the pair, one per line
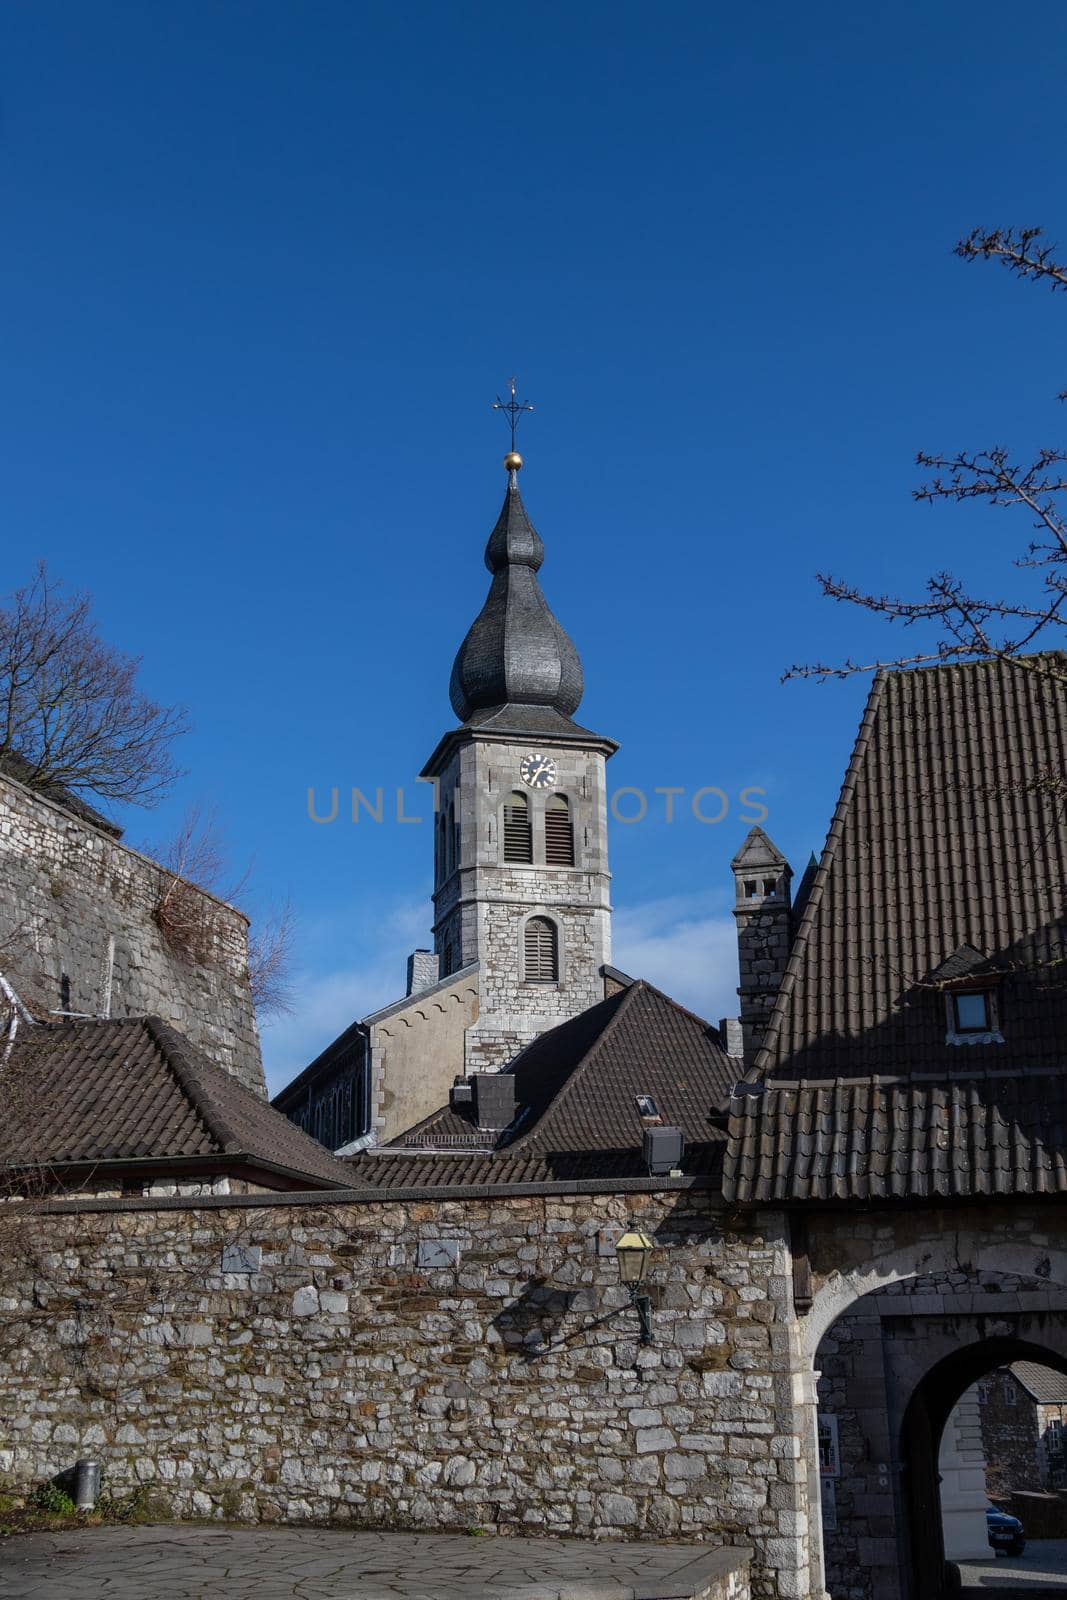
(346, 1197)
(396, 1006)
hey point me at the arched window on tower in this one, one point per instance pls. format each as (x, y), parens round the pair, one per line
(559, 834)
(450, 839)
(518, 836)
(541, 951)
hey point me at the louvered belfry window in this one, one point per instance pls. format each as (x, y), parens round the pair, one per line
(559, 835)
(541, 956)
(518, 837)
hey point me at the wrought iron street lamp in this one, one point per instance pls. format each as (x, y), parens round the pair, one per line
(634, 1251)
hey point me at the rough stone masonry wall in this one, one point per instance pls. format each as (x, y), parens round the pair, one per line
(66, 888)
(480, 910)
(1011, 1436)
(448, 1364)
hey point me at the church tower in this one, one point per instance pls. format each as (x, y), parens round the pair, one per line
(521, 881)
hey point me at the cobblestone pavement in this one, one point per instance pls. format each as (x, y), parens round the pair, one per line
(200, 1563)
(1042, 1568)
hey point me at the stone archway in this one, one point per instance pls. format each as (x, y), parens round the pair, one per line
(889, 1368)
(920, 1436)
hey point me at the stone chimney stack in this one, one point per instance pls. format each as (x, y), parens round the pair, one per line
(422, 971)
(762, 877)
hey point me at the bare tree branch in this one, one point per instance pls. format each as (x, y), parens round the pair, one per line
(194, 860)
(270, 964)
(1017, 250)
(967, 626)
(71, 714)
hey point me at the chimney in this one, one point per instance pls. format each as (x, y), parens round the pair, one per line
(663, 1149)
(422, 971)
(762, 877)
(732, 1037)
(494, 1100)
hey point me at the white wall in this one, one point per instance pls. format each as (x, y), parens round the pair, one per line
(963, 1492)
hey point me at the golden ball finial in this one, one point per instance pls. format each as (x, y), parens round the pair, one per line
(513, 461)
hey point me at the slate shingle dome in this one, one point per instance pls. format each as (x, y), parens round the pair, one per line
(515, 653)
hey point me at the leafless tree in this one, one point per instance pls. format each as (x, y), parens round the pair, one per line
(71, 714)
(270, 963)
(968, 626)
(195, 859)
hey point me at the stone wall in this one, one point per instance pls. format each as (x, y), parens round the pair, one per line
(762, 892)
(78, 929)
(961, 1469)
(412, 1364)
(1011, 1436)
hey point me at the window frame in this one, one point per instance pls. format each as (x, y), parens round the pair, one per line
(960, 1033)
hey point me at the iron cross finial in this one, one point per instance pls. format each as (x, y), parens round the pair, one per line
(513, 407)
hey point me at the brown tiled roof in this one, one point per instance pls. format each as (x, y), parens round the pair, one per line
(576, 1088)
(1042, 1384)
(134, 1090)
(949, 833)
(910, 1138)
(393, 1168)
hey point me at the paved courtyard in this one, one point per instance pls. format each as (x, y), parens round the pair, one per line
(202, 1563)
(1043, 1568)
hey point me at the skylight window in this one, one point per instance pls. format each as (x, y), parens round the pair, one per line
(646, 1106)
(973, 1012)
(972, 1016)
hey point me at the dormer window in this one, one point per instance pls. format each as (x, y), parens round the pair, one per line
(972, 1016)
(751, 889)
(770, 886)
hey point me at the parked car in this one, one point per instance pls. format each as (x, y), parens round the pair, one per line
(1006, 1534)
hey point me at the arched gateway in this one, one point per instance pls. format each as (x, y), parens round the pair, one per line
(889, 1369)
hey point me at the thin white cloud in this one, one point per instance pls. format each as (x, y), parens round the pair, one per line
(686, 946)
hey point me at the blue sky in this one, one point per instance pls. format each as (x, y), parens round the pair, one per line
(264, 268)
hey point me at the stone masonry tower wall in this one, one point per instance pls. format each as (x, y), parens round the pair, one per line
(78, 932)
(762, 878)
(483, 903)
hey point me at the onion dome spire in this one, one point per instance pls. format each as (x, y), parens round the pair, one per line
(515, 653)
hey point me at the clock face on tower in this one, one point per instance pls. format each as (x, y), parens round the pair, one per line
(538, 772)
